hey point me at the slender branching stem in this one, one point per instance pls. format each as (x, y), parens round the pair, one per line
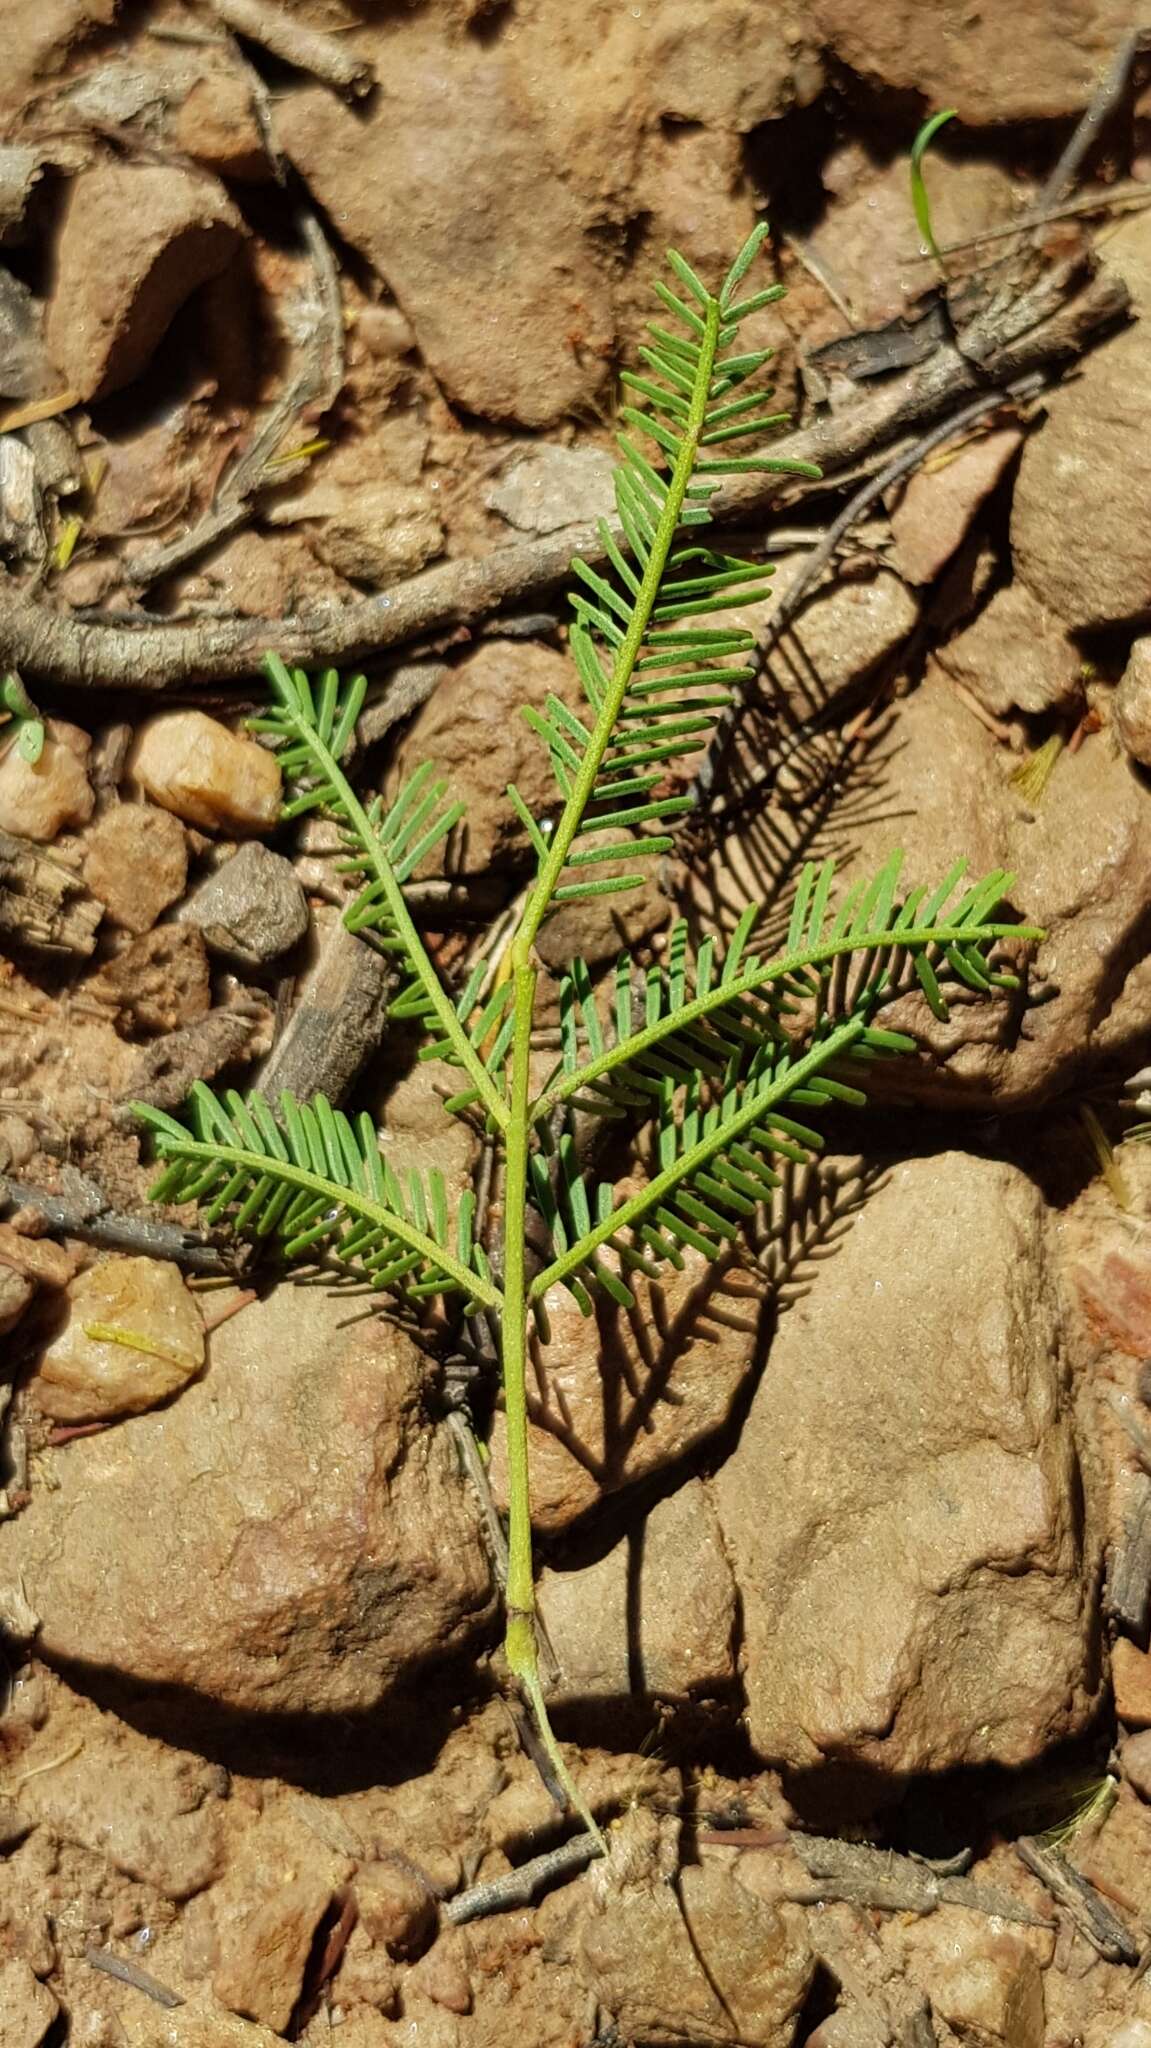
(607, 719)
(414, 951)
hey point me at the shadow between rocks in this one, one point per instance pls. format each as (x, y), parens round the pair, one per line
(328, 1754)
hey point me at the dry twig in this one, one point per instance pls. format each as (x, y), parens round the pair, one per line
(306, 49)
(315, 384)
(1110, 92)
(520, 1886)
(84, 1216)
(1088, 1909)
(1036, 329)
(864, 1876)
(131, 1973)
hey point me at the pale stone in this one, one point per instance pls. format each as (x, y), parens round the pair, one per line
(207, 774)
(157, 1349)
(40, 798)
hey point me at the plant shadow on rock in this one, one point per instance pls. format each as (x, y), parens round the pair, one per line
(640, 1352)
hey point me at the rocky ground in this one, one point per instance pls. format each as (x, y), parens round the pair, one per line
(310, 320)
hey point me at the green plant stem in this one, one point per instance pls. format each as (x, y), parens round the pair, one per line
(520, 1600)
(520, 1589)
(607, 719)
(413, 946)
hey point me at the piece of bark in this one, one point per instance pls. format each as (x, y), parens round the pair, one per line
(337, 1023)
(44, 906)
(165, 1071)
(862, 1875)
(1129, 1580)
(1089, 1910)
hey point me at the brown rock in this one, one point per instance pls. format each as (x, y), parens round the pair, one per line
(215, 124)
(898, 1511)
(27, 2007)
(252, 909)
(1115, 1292)
(1040, 62)
(43, 1262)
(703, 1960)
(136, 864)
(494, 294)
(396, 1906)
(1081, 518)
(1131, 1679)
(666, 1631)
(1016, 656)
(313, 1537)
(443, 1975)
(371, 531)
(16, 1291)
(150, 1811)
(40, 798)
(157, 1349)
(552, 486)
(1081, 524)
(159, 981)
(867, 237)
(597, 928)
(939, 505)
(1131, 704)
(992, 1995)
(191, 764)
(40, 35)
(630, 78)
(1135, 1759)
(1082, 862)
(614, 1401)
(135, 241)
(263, 1975)
(473, 730)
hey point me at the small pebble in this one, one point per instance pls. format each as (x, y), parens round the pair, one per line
(192, 765)
(133, 1337)
(1131, 705)
(252, 909)
(39, 799)
(137, 864)
(1135, 1759)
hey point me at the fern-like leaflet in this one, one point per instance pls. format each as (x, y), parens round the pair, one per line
(314, 1184)
(649, 669)
(721, 1059)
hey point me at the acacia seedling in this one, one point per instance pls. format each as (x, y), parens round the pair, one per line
(719, 1056)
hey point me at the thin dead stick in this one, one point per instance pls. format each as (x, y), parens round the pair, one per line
(1111, 90)
(1037, 329)
(1105, 200)
(520, 1886)
(1088, 1909)
(306, 49)
(821, 557)
(858, 1873)
(91, 1223)
(316, 383)
(131, 1973)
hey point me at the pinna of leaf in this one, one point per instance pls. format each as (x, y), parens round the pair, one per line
(736, 1051)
